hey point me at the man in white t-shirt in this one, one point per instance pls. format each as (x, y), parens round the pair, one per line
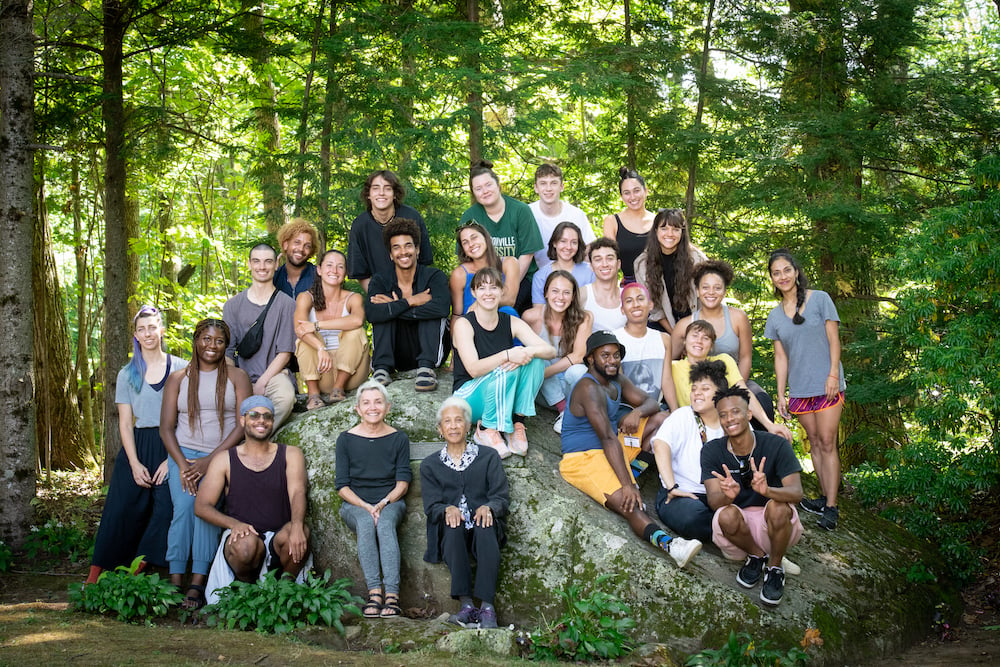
(646, 349)
(550, 210)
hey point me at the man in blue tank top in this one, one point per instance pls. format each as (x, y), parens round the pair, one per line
(602, 434)
(265, 487)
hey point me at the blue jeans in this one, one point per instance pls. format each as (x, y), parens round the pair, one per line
(687, 517)
(189, 536)
(378, 545)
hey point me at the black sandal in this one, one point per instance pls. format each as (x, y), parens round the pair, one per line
(194, 602)
(373, 608)
(391, 607)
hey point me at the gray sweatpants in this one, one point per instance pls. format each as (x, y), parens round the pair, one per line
(377, 544)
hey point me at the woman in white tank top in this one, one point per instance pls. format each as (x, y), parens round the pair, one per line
(332, 349)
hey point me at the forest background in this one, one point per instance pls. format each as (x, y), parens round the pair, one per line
(146, 144)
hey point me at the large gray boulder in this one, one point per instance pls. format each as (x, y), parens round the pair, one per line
(853, 585)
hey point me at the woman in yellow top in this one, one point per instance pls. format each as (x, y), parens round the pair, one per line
(698, 340)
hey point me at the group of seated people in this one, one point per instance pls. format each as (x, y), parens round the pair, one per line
(650, 369)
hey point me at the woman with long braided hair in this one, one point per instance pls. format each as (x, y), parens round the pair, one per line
(806, 335)
(198, 421)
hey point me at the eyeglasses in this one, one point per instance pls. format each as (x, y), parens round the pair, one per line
(255, 415)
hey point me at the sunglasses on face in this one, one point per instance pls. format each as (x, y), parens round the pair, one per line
(255, 415)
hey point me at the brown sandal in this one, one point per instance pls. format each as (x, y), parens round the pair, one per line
(336, 395)
(391, 607)
(373, 608)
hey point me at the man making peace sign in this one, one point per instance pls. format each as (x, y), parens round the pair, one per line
(752, 482)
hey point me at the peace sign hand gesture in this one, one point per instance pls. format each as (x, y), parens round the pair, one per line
(759, 482)
(729, 486)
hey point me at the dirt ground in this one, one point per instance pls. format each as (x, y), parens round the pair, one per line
(37, 627)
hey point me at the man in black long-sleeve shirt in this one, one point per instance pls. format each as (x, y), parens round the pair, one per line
(408, 309)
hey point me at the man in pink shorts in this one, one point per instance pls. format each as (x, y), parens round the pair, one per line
(752, 482)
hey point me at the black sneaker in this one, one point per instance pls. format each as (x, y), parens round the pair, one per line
(774, 585)
(814, 505)
(467, 617)
(749, 574)
(831, 515)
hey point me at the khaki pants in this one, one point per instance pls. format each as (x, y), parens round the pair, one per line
(351, 357)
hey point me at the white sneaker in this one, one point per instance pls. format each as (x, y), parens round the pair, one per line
(789, 567)
(557, 427)
(682, 551)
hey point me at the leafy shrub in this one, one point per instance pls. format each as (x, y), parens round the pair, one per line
(281, 605)
(130, 595)
(929, 487)
(594, 627)
(58, 540)
(6, 557)
(742, 651)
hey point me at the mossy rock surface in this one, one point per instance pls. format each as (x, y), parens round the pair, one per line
(853, 585)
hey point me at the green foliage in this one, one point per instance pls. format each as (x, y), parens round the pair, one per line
(280, 605)
(57, 540)
(594, 627)
(129, 595)
(929, 487)
(919, 573)
(6, 557)
(948, 317)
(742, 651)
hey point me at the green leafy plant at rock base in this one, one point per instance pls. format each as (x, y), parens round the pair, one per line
(281, 605)
(742, 651)
(58, 540)
(594, 627)
(129, 595)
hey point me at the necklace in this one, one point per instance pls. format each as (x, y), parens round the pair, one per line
(385, 222)
(740, 459)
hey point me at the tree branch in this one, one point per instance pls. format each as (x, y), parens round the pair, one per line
(912, 173)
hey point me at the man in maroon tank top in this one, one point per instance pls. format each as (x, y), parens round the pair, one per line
(265, 489)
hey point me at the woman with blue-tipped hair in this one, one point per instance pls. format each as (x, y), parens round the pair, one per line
(138, 509)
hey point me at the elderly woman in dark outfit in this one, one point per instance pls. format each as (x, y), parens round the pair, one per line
(465, 494)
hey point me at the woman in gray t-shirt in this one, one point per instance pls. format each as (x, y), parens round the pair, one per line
(137, 510)
(805, 331)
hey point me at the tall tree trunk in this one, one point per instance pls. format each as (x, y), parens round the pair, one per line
(331, 98)
(58, 423)
(696, 152)
(17, 134)
(630, 130)
(82, 369)
(475, 94)
(301, 170)
(272, 180)
(117, 286)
